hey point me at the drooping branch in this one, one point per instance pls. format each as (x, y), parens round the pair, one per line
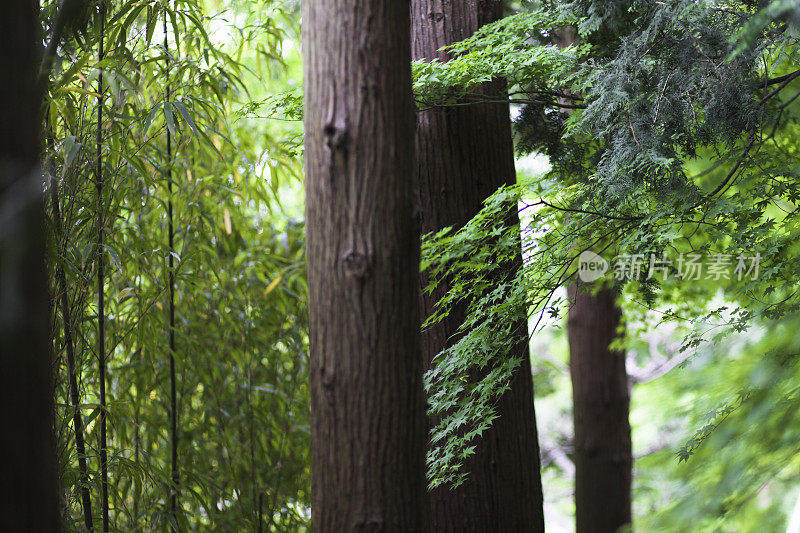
(780, 79)
(67, 10)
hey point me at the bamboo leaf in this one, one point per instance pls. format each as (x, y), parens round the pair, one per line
(271, 287)
(169, 116)
(184, 111)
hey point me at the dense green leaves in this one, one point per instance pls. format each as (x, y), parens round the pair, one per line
(671, 130)
(680, 142)
(241, 337)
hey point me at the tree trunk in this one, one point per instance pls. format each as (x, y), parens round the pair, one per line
(175, 478)
(28, 487)
(601, 401)
(367, 415)
(101, 285)
(69, 347)
(463, 155)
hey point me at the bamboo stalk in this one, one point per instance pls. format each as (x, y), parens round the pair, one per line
(101, 337)
(77, 418)
(171, 237)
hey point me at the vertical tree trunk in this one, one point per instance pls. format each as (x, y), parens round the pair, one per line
(101, 283)
(28, 487)
(463, 155)
(603, 460)
(72, 377)
(601, 400)
(368, 426)
(174, 498)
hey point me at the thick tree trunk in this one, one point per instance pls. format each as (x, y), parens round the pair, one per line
(603, 460)
(28, 487)
(368, 425)
(463, 155)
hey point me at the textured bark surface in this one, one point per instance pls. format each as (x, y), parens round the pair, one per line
(28, 487)
(368, 425)
(463, 155)
(601, 401)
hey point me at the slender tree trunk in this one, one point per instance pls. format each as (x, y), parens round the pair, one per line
(101, 284)
(29, 498)
(137, 493)
(367, 415)
(174, 503)
(464, 155)
(72, 374)
(601, 401)
(260, 516)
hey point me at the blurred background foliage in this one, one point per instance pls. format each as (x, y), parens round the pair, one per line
(732, 403)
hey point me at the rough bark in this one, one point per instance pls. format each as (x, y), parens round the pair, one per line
(601, 401)
(28, 487)
(463, 155)
(367, 417)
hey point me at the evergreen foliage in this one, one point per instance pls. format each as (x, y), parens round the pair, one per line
(678, 141)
